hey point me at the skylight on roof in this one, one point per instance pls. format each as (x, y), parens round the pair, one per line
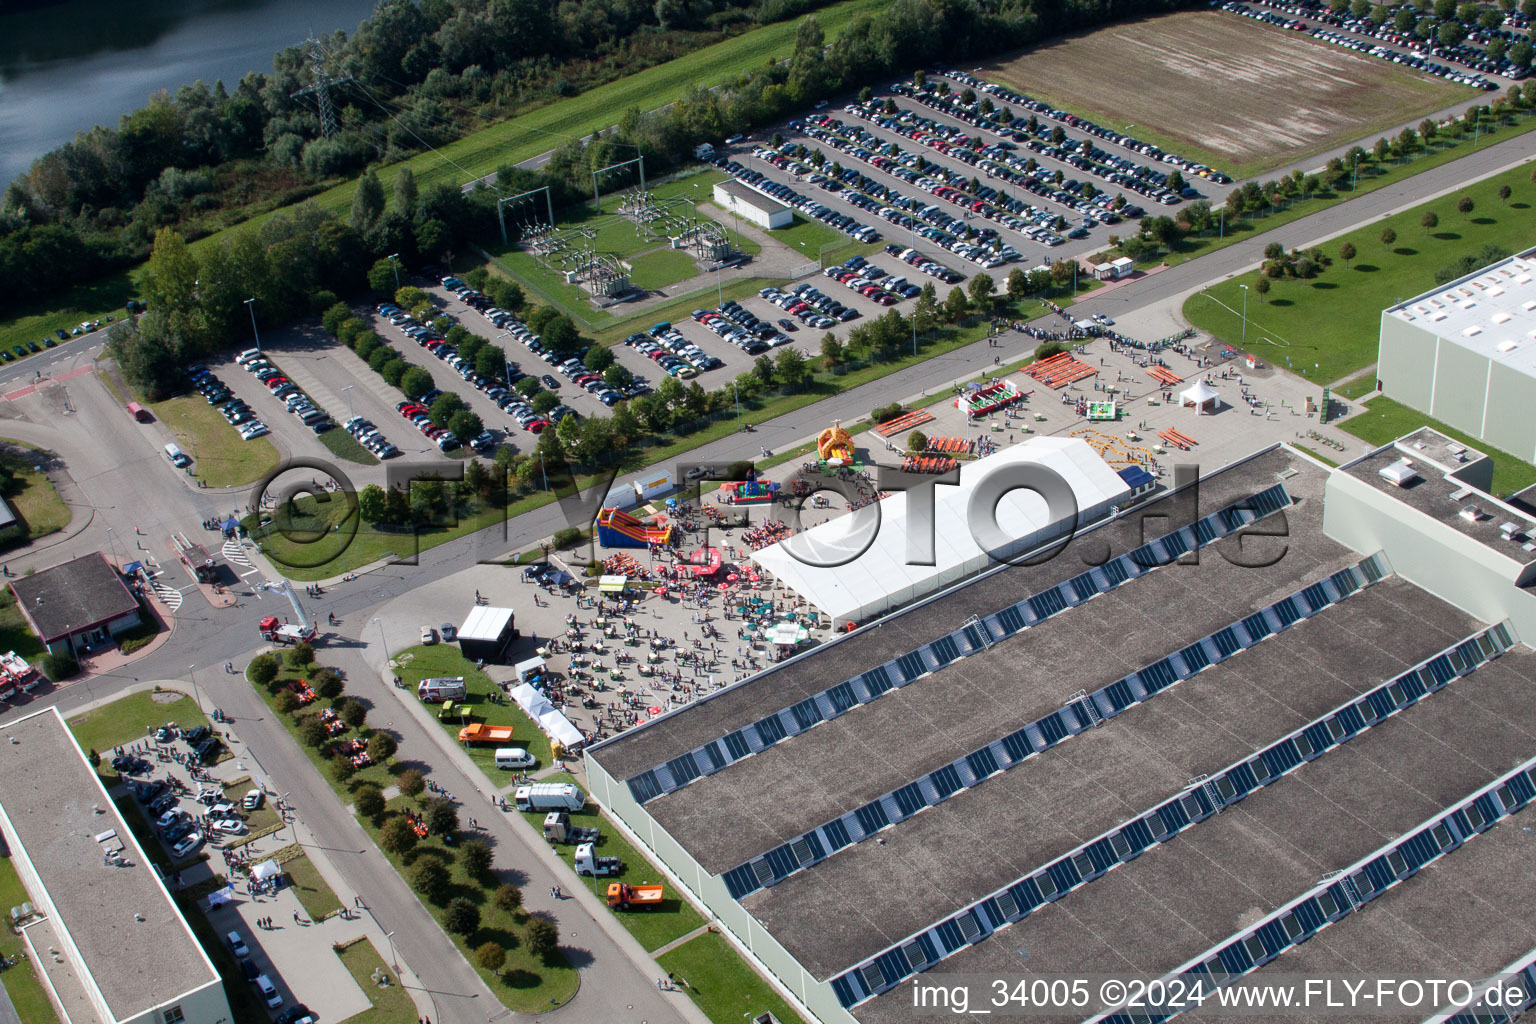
(1472, 331)
(1501, 317)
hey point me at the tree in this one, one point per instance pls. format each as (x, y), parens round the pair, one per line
(1429, 221)
(507, 897)
(544, 401)
(1520, 53)
(1347, 252)
(430, 878)
(1262, 285)
(1274, 251)
(920, 79)
(444, 407)
(1018, 284)
(411, 782)
(491, 957)
(369, 801)
(1464, 206)
(1388, 237)
(367, 202)
(1450, 33)
(370, 504)
(416, 382)
(381, 276)
(956, 305)
(313, 732)
(394, 372)
(1175, 182)
(543, 938)
(327, 683)
(917, 441)
(396, 835)
(981, 288)
(832, 351)
(381, 747)
(302, 655)
(1504, 193)
(462, 917)
(353, 712)
(286, 702)
(560, 336)
(466, 424)
(477, 857)
(442, 816)
(262, 669)
(598, 358)
(791, 369)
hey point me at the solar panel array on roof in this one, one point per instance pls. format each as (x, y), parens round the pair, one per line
(964, 641)
(1209, 795)
(1005, 752)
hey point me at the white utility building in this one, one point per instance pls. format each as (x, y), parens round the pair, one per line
(831, 568)
(747, 202)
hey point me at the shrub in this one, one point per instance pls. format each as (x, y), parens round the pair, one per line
(917, 441)
(508, 897)
(396, 835)
(302, 655)
(262, 669)
(342, 768)
(369, 801)
(462, 917)
(286, 702)
(1047, 350)
(411, 782)
(353, 713)
(568, 537)
(327, 683)
(476, 855)
(430, 878)
(491, 956)
(442, 816)
(885, 412)
(59, 665)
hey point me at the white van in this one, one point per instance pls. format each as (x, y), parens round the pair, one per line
(248, 355)
(178, 457)
(514, 757)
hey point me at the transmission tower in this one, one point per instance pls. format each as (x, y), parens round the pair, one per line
(322, 89)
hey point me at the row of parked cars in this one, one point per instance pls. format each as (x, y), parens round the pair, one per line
(733, 323)
(369, 437)
(1121, 139)
(293, 397)
(675, 354)
(1386, 30)
(810, 306)
(239, 415)
(1412, 60)
(799, 201)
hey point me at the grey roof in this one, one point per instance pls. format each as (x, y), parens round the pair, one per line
(67, 598)
(744, 193)
(1432, 494)
(55, 808)
(640, 749)
(1180, 899)
(1047, 806)
(1491, 312)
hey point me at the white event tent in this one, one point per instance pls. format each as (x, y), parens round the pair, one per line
(880, 578)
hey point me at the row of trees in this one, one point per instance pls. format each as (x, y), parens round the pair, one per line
(1447, 22)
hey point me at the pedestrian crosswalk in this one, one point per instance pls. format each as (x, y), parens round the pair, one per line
(169, 596)
(234, 552)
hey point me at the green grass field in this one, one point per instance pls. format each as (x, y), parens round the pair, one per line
(316, 897)
(344, 446)
(128, 719)
(67, 309)
(726, 989)
(551, 126)
(1329, 327)
(653, 928)
(1384, 421)
(21, 982)
(219, 457)
(15, 634)
(417, 663)
(391, 1003)
(37, 503)
(815, 241)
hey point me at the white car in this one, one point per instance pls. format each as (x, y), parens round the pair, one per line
(169, 818)
(188, 843)
(253, 799)
(229, 826)
(237, 945)
(268, 991)
(428, 635)
(515, 757)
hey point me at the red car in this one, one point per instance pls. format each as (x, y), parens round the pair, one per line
(276, 382)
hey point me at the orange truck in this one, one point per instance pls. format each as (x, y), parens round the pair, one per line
(633, 897)
(479, 732)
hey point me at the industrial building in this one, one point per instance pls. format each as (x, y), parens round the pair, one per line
(1465, 353)
(1222, 722)
(109, 942)
(747, 202)
(77, 605)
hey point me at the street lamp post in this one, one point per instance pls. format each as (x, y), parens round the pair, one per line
(196, 695)
(250, 305)
(1354, 183)
(393, 960)
(1244, 343)
(344, 391)
(382, 638)
(394, 261)
(738, 404)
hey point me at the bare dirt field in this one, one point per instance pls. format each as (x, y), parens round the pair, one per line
(1239, 95)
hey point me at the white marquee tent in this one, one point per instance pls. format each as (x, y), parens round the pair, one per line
(880, 578)
(555, 725)
(1201, 396)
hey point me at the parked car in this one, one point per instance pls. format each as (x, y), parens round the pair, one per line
(237, 945)
(187, 844)
(428, 635)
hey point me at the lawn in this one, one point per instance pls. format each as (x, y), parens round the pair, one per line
(1328, 327)
(1240, 97)
(662, 268)
(392, 1003)
(524, 985)
(127, 719)
(32, 495)
(15, 634)
(417, 663)
(654, 928)
(316, 897)
(1384, 421)
(344, 446)
(817, 242)
(726, 989)
(21, 982)
(219, 457)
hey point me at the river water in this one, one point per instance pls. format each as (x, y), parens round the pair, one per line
(66, 66)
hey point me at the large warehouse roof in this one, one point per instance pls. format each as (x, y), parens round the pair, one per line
(854, 586)
(1491, 312)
